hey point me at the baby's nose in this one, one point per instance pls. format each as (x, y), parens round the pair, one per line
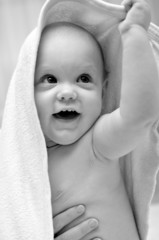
(67, 94)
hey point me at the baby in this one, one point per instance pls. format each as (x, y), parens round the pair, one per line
(84, 158)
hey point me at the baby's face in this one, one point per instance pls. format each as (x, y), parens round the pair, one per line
(68, 84)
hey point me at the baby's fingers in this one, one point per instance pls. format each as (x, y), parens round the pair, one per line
(79, 231)
(138, 13)
(142, 4)
(127, 4)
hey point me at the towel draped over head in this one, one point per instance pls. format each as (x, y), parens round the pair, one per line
(25, 197)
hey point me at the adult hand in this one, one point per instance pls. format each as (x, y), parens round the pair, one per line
(77, 232)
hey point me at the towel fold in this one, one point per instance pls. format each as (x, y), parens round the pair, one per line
(25, 197)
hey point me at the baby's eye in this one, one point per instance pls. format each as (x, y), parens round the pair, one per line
(49, 79)
(84, 78)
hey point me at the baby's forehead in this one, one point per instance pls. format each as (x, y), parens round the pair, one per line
(71, 33)
(68, 30)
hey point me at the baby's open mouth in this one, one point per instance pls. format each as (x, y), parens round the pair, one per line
(66, 115)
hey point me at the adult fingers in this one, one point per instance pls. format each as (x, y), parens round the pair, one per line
(66, 217)
(79, 231)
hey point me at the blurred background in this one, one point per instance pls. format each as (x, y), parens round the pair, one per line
(17, 19)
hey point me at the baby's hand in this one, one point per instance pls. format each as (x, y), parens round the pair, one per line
(138, 13)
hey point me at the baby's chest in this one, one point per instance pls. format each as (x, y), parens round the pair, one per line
(75, 188)
(81, 180)
(67, 165)
(76, 174)
(69, 170)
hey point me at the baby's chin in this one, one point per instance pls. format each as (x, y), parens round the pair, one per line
(66, 142)
(63, 140)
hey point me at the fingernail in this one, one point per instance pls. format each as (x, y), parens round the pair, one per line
(80, 209)
(93, 223)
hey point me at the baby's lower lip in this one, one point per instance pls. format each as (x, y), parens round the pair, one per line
(69, 123)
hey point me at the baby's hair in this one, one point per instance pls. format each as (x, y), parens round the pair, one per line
(66, 26)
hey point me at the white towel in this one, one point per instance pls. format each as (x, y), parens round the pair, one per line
(25, 197)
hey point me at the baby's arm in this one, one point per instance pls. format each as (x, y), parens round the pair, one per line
(140, 86)
(119, 132)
